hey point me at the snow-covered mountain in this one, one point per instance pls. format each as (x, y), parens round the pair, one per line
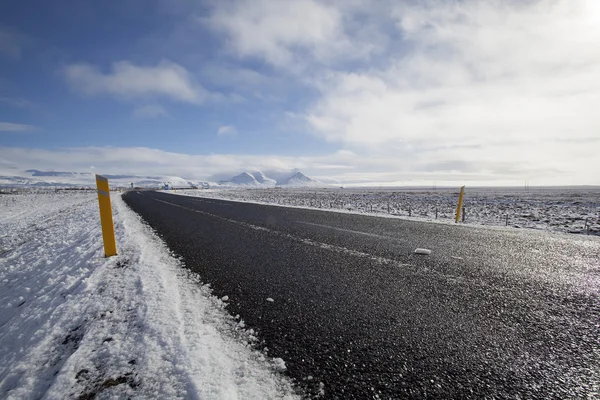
(263, 179)
(298, 179)
(246, 179)
(257, 179)
(243, 179)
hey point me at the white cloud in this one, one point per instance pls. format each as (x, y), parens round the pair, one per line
(473, 91)
(12, 127)
(227, 130)
(129, 81)
(489, 84)
(150, 111)
(280, 32)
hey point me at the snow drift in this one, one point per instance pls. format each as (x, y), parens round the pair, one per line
(76, 325)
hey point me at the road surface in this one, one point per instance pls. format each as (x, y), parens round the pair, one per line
(490, 313)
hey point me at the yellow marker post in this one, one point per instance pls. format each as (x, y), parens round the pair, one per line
(460, 203)
(108, 228)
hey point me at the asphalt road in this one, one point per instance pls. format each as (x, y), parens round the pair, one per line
(491, 313)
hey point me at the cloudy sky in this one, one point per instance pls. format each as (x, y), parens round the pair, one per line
(352, 91)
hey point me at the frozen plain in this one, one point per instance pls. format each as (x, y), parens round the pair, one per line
(76, 325)
(556, 209)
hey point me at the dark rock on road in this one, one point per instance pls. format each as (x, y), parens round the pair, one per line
(491, 313)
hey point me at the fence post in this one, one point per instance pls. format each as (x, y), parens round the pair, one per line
(460, 203)
(464, 213)
(106, 221)
(587, 227)
(506, 219)
(436, 213)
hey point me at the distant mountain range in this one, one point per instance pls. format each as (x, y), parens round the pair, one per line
(258, 179)
(247, 179)
(298, 179)
(38, 178)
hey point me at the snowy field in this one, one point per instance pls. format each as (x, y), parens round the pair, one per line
(76, 325)
(572, 210)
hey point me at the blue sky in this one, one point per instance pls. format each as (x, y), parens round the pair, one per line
(477, 92)
(59, 35)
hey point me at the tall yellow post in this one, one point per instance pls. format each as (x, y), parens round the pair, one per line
(108, 228)
(460, 203)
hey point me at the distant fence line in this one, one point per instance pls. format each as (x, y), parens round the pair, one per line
(501, 211)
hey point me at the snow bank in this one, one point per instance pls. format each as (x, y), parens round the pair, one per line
(73, 323)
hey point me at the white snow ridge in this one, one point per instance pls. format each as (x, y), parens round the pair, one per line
(76, 325)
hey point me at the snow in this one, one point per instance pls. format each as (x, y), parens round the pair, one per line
(279, 364)
(259, 180)
(56, 179)
(49, 179)
(246, 179)
(243, 179)
(263, 179)
(176, 181)
(73, 323)
(561, 209)
(298, 180)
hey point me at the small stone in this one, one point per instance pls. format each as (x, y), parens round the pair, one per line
(424, 252)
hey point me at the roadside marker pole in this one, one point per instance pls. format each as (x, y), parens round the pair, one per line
(108, 228)
(460, 203)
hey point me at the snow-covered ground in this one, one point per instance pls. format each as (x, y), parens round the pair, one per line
(574, 210)
(76, 325)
